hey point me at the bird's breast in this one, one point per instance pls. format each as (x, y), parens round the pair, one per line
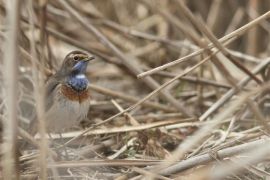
(68, 109)
(73, 95)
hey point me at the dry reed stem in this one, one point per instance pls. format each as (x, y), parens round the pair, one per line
(206, 158)
(203, 132)
(211, 79)
(237, 32)
(39, 97)
(10, 130)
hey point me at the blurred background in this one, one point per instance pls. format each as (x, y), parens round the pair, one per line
(128, 38)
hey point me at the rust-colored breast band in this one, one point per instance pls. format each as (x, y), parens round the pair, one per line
(73, 95)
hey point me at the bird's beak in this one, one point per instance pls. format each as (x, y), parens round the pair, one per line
(81, 65)
(89, 58)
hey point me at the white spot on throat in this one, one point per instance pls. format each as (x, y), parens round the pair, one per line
(80, 76)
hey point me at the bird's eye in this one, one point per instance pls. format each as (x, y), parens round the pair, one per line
(76, 58)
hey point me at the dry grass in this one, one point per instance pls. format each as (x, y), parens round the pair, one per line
(179, 89)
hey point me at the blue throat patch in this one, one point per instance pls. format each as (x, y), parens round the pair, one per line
(78, 82)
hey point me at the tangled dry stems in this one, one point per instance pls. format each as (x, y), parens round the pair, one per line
(169, 98)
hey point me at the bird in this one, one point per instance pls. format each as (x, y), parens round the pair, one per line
(67, 96)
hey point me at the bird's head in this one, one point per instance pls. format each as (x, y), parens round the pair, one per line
(75, 63)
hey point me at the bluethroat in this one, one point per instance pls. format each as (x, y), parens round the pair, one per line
(67, 97)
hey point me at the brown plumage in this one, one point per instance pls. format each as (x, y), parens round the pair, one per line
(74, 95)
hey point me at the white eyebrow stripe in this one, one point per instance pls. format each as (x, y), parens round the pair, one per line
(80, 76)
